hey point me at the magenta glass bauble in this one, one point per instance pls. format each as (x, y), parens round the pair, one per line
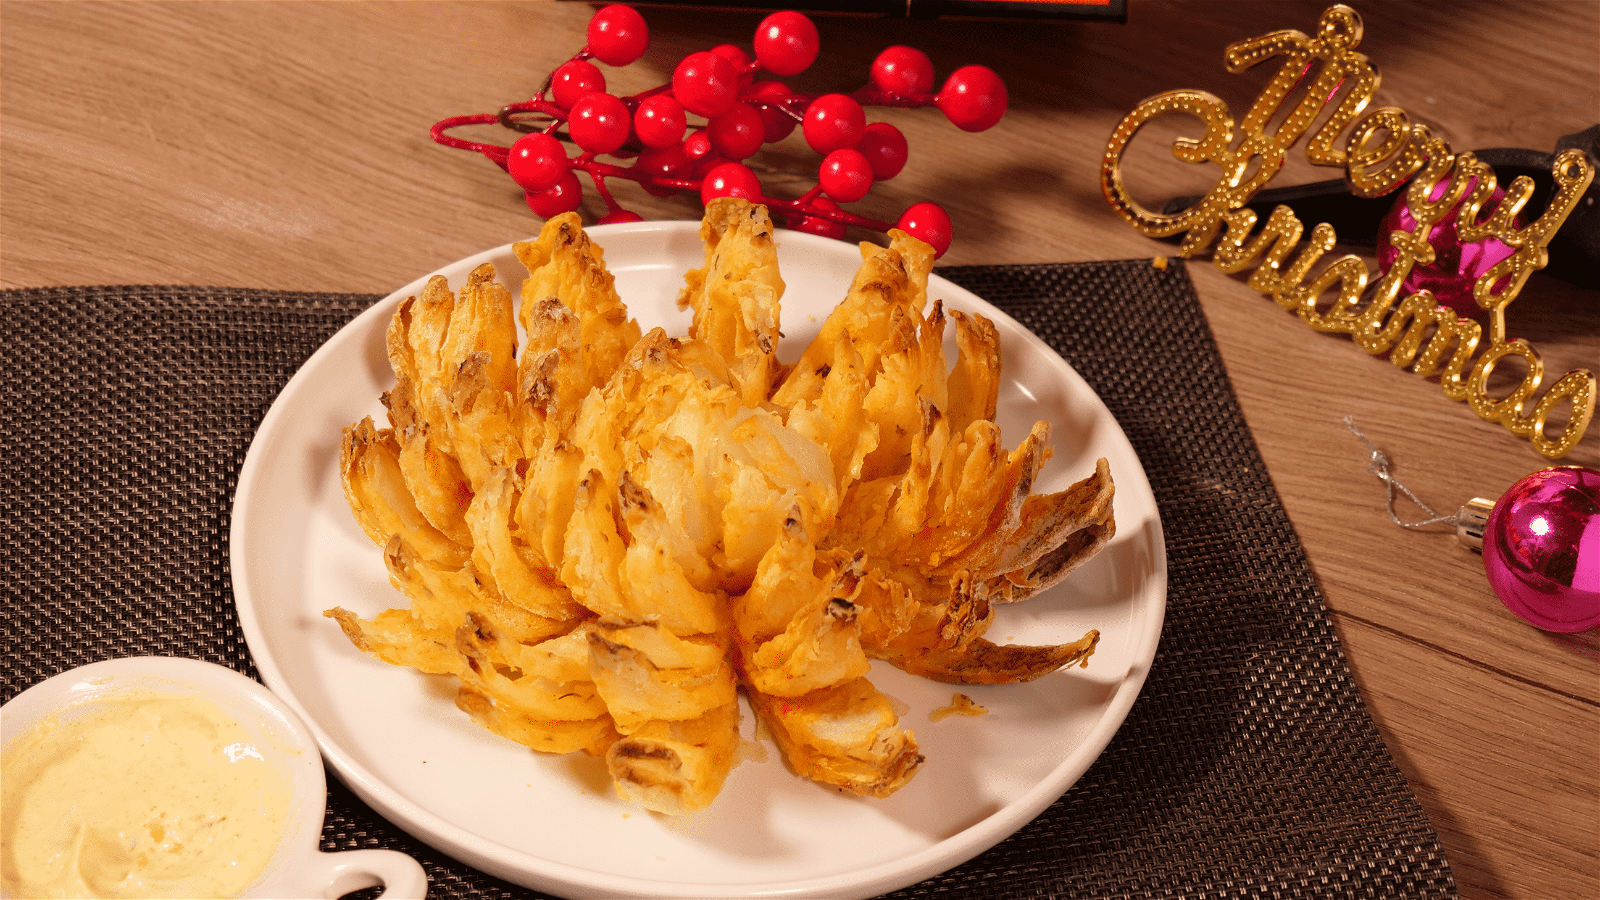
(1541, 548)
(1456, 266)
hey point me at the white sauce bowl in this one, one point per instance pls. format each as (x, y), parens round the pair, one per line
(299, 868)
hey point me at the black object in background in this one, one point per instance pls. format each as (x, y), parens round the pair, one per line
(1040, 10)
(1574, 249)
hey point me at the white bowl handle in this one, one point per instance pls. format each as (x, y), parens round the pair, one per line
(340, 873)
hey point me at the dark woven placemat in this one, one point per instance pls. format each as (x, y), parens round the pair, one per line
(1248, 768)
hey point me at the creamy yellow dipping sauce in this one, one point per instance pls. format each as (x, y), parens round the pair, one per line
(140, 794)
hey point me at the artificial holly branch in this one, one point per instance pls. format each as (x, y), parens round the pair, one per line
(649, 137)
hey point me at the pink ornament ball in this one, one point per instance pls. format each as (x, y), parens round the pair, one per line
(1456, 265)
(1541, 549)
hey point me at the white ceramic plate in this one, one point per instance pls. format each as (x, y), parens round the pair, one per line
(554, 823)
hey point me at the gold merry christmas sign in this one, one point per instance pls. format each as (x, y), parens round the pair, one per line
(1383, 151)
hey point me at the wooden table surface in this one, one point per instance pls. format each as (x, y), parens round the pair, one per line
(285, 145)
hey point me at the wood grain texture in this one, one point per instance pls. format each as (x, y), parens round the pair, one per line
(285, 145)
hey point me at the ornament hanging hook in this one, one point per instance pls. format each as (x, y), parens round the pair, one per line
(1469, 521)
(1378, 464)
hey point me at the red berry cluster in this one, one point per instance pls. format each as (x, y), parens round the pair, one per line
(665, 152)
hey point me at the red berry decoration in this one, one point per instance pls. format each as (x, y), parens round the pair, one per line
(563, 196)
(973, 97)
(885, 149)
(599, 123)
(845, 175)
(902, 70)
(659, 121)
(572, 80)
(929, 223)
(786, 43)
(730, 179)
(771, 98)
(833, 122)
(737, 133)
(697, 146)
(662, 164)
(647, 137)
(741, 64)
(706, 84)
(817, 224)
(537, 161)
(618, 35)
